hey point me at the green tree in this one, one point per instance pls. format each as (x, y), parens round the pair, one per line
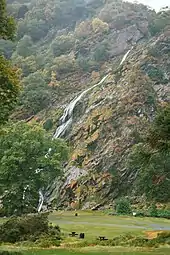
(9, 89)
(123, 206)
(27, 165)
(24, 46)
(151, 159)
(99, 26)
(36, 95)
(101, 52)
(62, 44)
(159, 22)
(9, 84)
(7, 48)
(7, 24)
(153, 211)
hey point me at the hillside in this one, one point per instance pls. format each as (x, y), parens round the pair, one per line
(65, 47)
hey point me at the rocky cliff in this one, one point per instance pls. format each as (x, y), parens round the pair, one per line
(130, 43)
(109, 121)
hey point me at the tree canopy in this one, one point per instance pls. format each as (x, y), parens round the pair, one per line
(9, 83)
(27, 165)
(151, 159)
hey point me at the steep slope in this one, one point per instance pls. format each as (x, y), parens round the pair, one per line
(67, 47)
(110, 120)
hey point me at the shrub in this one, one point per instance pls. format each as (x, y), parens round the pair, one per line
(35, 100)
(64, 64)
(10, 253)
(101, 52)
(123, 206)
(48, 124)
(159, 22)
(46, 242)
(25, 228)
(99, 26)
(153, 211)
(164, 214)
(62, 44)
(84, 29)
(84, 63)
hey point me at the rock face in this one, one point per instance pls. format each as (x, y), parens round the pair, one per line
(115, 38)
(111, 121)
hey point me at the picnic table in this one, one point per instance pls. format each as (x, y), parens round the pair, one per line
(73, 234)
(102, 238)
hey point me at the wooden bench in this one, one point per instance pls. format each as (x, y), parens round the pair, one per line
(102, 238)
(73, 234)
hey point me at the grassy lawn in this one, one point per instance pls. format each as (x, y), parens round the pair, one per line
(94, 224)
(97, 251)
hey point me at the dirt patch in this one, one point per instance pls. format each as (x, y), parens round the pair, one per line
(152, 234)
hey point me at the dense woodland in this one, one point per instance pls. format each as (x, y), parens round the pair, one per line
(54, 39)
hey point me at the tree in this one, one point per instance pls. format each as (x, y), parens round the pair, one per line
(150, 159)
(7, 24)
(24, 46)
(153, 211)
(9, 89)
(36, 95)
(101, 52)
(99, 26)
(7, 48)
(62, 44)
(9, 84)
(27, 166)
(64, 63)
(159, 22)
(123, 206)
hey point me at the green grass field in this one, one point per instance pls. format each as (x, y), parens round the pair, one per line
(97, 251)
(95, 224)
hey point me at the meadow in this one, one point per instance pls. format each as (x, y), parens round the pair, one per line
(95, 224)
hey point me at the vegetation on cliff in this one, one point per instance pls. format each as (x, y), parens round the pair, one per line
(63, 47)
(151, 159)
(9, 83)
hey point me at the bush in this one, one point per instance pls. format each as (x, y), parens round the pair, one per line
(84, 63)
(101, 52)
(84, 29)
(123, 206)
(153, 211)
(10, 253)
(62, 44)
(46, 242)
(99, 26)
(35, 100)
(159, 22)
(48, 124)
(163, 214)
(64, 64)
(25, 228)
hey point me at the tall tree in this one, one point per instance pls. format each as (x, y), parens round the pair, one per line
(9, 84)
(151, 159)
(27, 165)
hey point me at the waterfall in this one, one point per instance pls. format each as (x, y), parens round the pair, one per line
(66, 119)
(41, 201)
(125, 56)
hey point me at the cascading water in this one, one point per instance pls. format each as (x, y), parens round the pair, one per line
(125, 56)
(66, 121)
(41, 201)
(67, 118)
